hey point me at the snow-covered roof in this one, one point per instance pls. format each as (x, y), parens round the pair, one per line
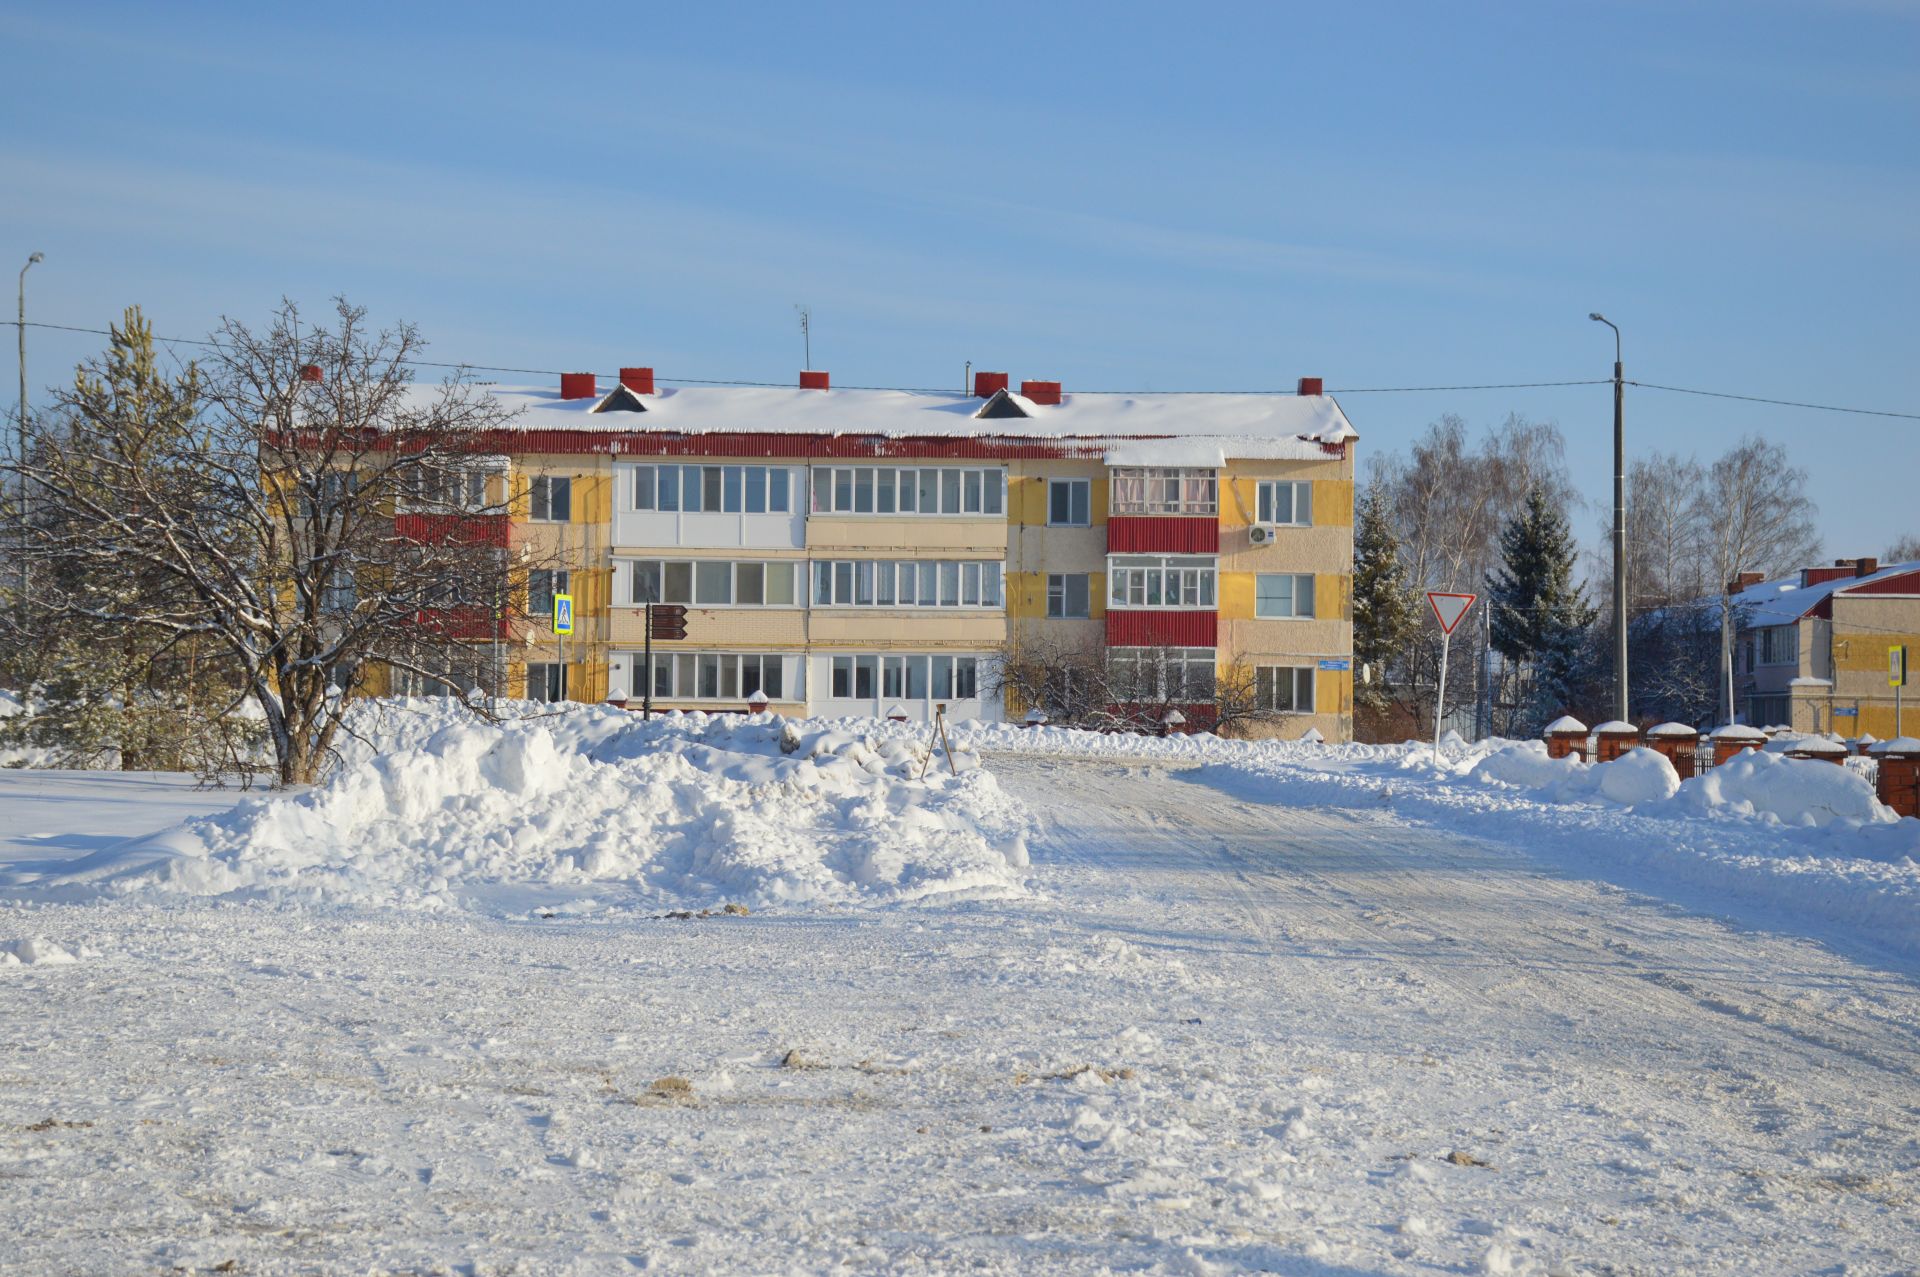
(1785, 601)
(1144, 429)
(1614, 727)
(1566, 723)
(1672, 729)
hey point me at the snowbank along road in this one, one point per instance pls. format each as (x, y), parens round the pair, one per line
(1217, 1036)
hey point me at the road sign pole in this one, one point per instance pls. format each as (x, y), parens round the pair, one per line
(1448, 607)
(646, 697)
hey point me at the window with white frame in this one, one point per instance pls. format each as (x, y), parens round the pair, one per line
(1143, 674)
(716, 676)
(428, 487)
(916, 490)
(546, 681)
(542, 585)
(715, 582)
(1779, 645)
(1069, 503)
(1285, 688)
(907, 583)
(705, 489)
(1286, 502)
(550, 499)
(911, 677)
(1174, 582)
(1283, 594)
(1151, 490)
(1067, 595)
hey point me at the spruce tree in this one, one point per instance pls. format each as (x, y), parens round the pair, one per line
(1383, 615)
(1539, 614)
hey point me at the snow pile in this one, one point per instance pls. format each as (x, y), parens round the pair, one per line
(595, 808)
(40, 951)
(1790, 790)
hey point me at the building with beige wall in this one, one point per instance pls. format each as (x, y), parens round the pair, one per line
(863, 552)
(1811, 649)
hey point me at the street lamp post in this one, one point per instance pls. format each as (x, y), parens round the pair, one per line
(20, 459)
(22, 330)
(1619, 530)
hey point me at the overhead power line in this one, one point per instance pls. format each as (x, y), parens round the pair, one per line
(938, 390)
(1785, 403)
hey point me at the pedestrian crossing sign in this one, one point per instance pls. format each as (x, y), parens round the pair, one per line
(563, 614)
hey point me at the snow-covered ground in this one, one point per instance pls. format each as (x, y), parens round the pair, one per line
(1248, 1009)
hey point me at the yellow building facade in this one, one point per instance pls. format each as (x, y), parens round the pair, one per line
(883, 553)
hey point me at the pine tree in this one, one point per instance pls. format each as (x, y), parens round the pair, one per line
(1383, 615)
(1539, 615)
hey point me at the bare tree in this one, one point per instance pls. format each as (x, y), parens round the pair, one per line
(1130, 688)
(1450, 499)
(319, 518)
(1757, 517)
(1904, 550)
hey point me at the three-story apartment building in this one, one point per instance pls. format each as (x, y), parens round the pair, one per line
(877, 552)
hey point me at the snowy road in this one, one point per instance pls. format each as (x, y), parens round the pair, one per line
(1222, 1037)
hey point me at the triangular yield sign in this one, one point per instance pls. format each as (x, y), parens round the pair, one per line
(1449, 608)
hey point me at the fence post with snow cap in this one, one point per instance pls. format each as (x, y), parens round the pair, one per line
(757, 702)
(1679, 743)
(1864, 743)
(1734, 737)
(1819, 747)
(1613, 739)
(1567, 738)
(1899, 780)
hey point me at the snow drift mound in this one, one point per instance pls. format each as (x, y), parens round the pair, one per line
(596, 808)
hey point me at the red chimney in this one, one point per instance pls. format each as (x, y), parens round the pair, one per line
(638, 380)
(1745, 580)
(1312, 386)
(311, 372)
(1866, 566)
(1041, 392)
(987, 384)
(577, 385)
(812, 380)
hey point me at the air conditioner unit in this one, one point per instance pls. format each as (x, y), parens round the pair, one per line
(1262, 533)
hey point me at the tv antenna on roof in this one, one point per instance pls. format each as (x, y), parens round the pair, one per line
(806, 331)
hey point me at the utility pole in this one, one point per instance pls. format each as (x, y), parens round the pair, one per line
(20, 458)
(1619, 527)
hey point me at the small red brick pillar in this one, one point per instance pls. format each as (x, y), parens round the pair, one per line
(1613, 739)
(1036, 717)
(1567, 738)
(1899, 784)
(895, 714)
(757, 703)
(1678, 743)
(1173, 723)
(1863, 745)
(1731, 739)
(1820, 747)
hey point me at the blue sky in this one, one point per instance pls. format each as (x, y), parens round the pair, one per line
(1122, 196)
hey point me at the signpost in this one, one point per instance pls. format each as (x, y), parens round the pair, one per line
(664, 621)
(563, 626)
(1447, 609)
(1897, 679)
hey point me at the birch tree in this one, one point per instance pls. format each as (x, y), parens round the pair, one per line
(1758, 518)
(320, 523)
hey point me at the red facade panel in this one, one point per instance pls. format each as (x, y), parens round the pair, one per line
(1163, 534)
(1162, 629)
(457, 529)
(1897, 583)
